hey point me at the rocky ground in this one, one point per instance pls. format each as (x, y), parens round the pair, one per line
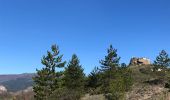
(148, 92)
(143, 92)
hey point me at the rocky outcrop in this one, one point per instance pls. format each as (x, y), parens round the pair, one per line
(140, 61)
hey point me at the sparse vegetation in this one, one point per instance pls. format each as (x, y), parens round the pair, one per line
(110, 81)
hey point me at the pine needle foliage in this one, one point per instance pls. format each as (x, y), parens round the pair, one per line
(162, 60)
(74, 77)
(46, 80)
(109, 67)
(111, 60)
(94, 78)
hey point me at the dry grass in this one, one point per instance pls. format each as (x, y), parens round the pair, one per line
(93, 97)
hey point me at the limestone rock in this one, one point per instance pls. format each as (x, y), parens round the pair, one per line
(140, 61)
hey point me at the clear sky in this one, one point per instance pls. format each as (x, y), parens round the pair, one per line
(28, 28)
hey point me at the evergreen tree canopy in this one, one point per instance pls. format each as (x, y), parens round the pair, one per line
(46, 80)
(123, 65)
(162, 60)
(109, 66)
(111, 61)
(94, 78)
(121, 84)
(74, 76)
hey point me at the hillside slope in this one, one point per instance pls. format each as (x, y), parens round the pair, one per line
(148, 85)
(8, 77)
(16, 82)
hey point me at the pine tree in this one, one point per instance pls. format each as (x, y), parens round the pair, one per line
(94, 79)
(46, 80)
(111, 61)
(74, 76)
(121, 84)
(123, 65)
(162, 60)
(108, 67)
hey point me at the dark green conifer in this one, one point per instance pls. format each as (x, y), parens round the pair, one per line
(108, 67)
(94, 79)
(46, 80)
(162, 60)
(111, 61)
(74, 76)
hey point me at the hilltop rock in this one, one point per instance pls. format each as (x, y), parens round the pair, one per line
(140, 61)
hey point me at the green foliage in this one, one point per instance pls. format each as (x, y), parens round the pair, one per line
(74, 78)
(94, 81)
(116, 79)
(111, 61)
(108, 68)
(162, 60)
(123, 65)
(121, 84)
(167, 78)
(46, 80)
(113, 80)
(65, 94)
(126, 74)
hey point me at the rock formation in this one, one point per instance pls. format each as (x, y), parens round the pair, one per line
(140, 61)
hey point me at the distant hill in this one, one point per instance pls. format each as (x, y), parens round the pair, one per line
(16, 82)
(7, 77)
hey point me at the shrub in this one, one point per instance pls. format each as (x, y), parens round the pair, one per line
(66, 94)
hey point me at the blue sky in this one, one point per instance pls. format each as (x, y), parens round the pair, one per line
(28, 28)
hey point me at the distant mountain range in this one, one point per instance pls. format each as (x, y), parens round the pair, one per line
(17, 82)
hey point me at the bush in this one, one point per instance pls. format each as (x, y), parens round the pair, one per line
(66, 94)
(120, 85)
